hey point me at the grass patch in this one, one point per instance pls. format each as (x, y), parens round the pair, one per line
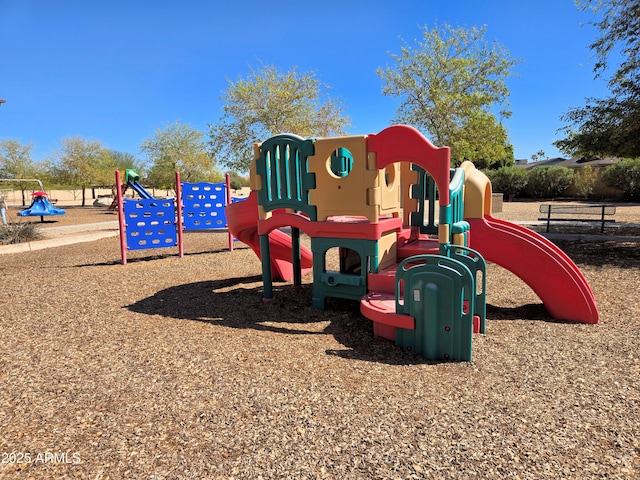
(19, 233)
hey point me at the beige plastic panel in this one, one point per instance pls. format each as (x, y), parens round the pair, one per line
(477, 193)
(387, 250)
(409, 178)
(347, 195)
(363, 192)
(390, 191)
(255, 180)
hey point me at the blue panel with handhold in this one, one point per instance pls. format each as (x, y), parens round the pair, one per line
(203, 206)
(150, 223)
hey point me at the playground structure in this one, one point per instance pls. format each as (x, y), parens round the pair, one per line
(40, 204)
(148, 222)
(412, 236)
(24, 180)
(40, 207)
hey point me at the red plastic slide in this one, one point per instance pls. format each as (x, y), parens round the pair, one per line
(242, 221)
(550, 273)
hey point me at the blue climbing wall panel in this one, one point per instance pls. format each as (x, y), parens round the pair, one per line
(203, 206)
(150, 223)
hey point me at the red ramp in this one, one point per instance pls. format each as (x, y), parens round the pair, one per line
(242, 221)
(550, 273)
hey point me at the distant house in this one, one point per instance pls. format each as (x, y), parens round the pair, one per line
(600, 190)
(567, 162)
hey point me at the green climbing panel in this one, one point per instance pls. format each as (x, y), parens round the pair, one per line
(478, 267)
(439, 293)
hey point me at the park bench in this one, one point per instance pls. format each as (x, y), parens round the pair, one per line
(595, 214)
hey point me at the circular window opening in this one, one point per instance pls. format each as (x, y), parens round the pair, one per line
(341, 162)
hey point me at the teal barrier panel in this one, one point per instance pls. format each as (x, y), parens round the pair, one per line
(439, 293)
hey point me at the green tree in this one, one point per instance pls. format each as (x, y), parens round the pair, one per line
(82, 163)
(451, 83)
(610, 126)
(269, 102)
(16, 162)
(509, 180)
(124, 161)
(619, 25)
(178, 148)
(605, 127)
(549, 182)
(15, 159)
(237, 181)
(624, 175)
(471, 144)
(539, 155)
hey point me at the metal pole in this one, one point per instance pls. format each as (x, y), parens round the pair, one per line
(121, 224)
(227, 179)
(179, 212)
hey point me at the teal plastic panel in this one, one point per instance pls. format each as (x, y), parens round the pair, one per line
(425, 192)
(341, 284)
(456, 197)
(438, 292)
(286, 180)
(477, 265)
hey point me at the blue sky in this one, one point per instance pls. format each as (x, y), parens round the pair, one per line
(115, 71)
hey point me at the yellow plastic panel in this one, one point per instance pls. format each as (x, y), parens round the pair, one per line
(409, 204)
(255, 180)
(347, 195)
(477, 193)
(458, 239)
(390, 190)
(387, 250)
(443, 233)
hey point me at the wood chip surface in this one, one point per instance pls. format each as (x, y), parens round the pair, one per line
(171, 368)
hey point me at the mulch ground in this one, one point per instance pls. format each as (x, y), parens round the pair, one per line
(174, 368)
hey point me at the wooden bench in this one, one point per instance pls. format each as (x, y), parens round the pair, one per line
(595, 214)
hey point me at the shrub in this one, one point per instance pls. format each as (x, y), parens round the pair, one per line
(549, 182)
(19, 233)
(585, 180)
(624, 175)
(509, 180)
